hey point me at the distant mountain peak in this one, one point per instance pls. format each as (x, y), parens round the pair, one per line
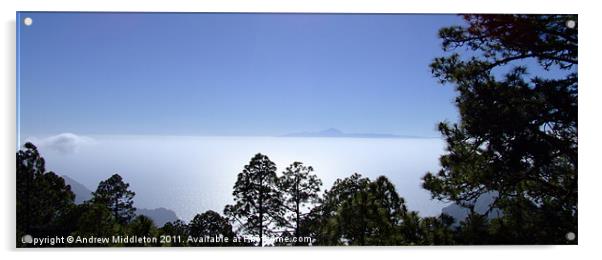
(81, 192)
(333, 132)
(481, 206)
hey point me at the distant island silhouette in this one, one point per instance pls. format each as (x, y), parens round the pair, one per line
(333, 132)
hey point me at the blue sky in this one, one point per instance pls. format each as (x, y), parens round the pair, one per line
(230, 74)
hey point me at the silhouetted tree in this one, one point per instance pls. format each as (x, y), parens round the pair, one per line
(437, 230)
(357, 211)
(211, 224)
(372, 216)
(258, 204)
(411, 229)
(328, 230)
(142, 226)
(285, 239)
(300, 189)
(313, 225)
(518, 133)
(176, 229)
(387, 209)
(114, 193)
(474, 230)
(43, 198)
(96, 220)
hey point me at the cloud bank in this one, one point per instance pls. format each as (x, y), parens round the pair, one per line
(66, 143)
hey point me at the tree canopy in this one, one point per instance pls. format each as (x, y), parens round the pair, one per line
(211, 224)
(517, 133)
(258, 204)
(42, 197)
(300, 190)
(115, 194)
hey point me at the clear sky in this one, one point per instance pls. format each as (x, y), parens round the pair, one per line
(230, 74)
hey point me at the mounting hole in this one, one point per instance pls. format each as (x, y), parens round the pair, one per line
(27, 21)
(571, 24)
(570, 236)
(26, 239)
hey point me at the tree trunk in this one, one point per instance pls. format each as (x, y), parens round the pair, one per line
(297, 211)
(261, 209)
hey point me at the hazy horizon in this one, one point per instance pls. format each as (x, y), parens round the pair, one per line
(192, 174)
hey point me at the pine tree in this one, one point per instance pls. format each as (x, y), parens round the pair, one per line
(258, 204)
(211, 224)
(518, 132)
(115, 194)
(300, 189)
(43, 198)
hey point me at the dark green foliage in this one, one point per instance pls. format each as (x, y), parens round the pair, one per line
(357, 211)
(436, 230)
(474, 230)
(96, 220)
(411, 229)
(175, 229)
(387, 208)
(42, 197)
(300, 190)
(416, 230)
(313, 225)
(114, 193)
(211, 224)
(351, 222)
(518, 134)
(327, 228)
(142, 226)
(258, 206)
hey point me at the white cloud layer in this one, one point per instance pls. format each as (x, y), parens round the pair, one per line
(66, 143)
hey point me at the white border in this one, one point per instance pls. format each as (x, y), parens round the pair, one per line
(590, 216)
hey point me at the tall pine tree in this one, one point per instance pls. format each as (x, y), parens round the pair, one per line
(300, 189)
(258, 204)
